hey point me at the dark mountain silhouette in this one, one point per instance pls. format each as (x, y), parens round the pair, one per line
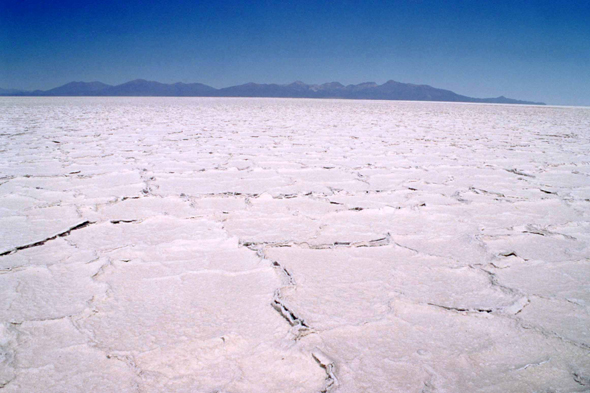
(77, 89)
(293, 90)
(141, 87)
(390, 90)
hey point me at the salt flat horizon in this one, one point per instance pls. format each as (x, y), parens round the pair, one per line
(297, 98)
(182, 244)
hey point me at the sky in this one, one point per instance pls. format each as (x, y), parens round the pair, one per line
(530, 50)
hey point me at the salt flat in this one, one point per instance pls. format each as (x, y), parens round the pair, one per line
(276, 245)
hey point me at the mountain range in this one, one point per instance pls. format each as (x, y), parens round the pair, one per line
(390, 90)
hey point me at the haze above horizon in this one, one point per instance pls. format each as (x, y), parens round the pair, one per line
(532, 50)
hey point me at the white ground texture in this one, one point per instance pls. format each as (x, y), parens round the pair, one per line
(276, 245)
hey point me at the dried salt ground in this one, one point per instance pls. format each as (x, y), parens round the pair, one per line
(278, 245)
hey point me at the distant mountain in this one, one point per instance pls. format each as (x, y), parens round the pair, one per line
(504, 100)
(77, 89)
(138, 87)
(293, 90)
(390, 90)
(141, 87)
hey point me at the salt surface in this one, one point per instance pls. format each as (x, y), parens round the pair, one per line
(276, 245)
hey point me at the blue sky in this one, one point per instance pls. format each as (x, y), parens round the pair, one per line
(534, 50)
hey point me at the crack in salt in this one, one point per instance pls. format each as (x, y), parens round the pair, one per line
(123, 221)
(380, 242)
(328, 365)
(517, 172)
(461, 309)
(42, 242)
(532, 365)
(581, 379)
(300, 328)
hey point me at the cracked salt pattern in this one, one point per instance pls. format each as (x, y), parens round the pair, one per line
(276, 245)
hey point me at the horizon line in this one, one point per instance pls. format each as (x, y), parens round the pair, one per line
(337, 90)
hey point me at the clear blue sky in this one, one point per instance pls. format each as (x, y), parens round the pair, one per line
(535, 50)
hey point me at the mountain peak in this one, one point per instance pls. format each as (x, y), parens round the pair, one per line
(332, 84)
(76, 89)
(138, 82)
